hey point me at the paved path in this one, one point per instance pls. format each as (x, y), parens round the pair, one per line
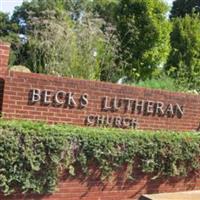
(192, 195)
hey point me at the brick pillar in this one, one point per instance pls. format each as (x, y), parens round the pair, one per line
(4, 56)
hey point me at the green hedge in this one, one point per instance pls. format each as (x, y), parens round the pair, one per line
(33, 154)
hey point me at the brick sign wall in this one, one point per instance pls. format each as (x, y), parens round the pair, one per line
(91, 103)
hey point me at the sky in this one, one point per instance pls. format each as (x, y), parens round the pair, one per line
(8, 5)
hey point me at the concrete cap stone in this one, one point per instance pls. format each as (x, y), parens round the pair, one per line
(190, 195)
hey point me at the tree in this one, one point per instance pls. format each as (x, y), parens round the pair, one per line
(8, 29)
(182, 7)
(112, 65)
(144, 35)
(63, 37)
(184, 59)
(9, 33)
(102, 39)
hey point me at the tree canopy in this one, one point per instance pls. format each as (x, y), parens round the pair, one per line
(63, 38)
(182, 7)
(9, 31)
(144, 34)
(184, 59)
(106, 40)
(112, 38)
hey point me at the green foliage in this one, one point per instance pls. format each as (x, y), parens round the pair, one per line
(64, 38)
(163, 83)
(106, 9)
(32, 155)
(144, 35)
(107, 40)
(94, 39)
(182, 7)
(184, 59)
(7, 29)
(63, 49)
(8, 33)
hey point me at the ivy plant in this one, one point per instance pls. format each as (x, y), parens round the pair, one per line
(33, 155)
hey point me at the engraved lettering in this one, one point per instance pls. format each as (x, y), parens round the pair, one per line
(58, 99)
(71, 101)
(36, 95)
(100, 120)
(134, 124)
(160, 108)
(116, 105)
(109, 121)
(118, 122)
(169, 110)
(90, 120)
(84, 100)
(125, 122)
(127, 107)
(179, 110)
(105, 104)
(150, 107)
(47, 97)
(139, 106)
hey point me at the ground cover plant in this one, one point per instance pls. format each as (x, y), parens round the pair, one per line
(32, 155)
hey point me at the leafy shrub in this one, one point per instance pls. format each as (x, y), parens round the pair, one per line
(184, 59)
(164, 83)
(33, 154)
